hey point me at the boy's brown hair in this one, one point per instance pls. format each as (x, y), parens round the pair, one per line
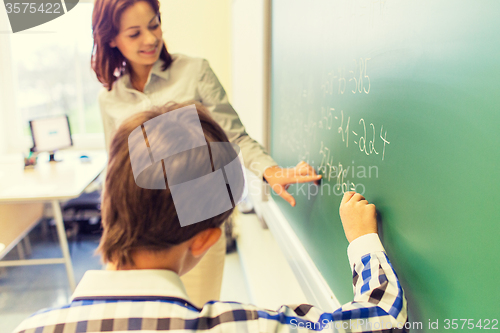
(137, 218)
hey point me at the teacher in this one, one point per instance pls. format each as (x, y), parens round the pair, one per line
(131, 60)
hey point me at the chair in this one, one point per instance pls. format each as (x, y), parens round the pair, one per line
(83, 214)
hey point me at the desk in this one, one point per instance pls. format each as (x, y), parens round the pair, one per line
(47, 182)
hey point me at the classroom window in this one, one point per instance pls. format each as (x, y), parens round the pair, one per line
(52, 74)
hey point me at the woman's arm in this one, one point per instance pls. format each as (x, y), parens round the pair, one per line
(214, 97)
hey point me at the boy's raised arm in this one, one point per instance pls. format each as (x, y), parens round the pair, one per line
(379, 304)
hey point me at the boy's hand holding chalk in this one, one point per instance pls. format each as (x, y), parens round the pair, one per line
(358, 216)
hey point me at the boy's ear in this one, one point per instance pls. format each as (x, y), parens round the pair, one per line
(204, 240)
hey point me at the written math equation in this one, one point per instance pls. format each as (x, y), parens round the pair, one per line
(360, 135)
(371, 139)
(353, 79)
(368, 138)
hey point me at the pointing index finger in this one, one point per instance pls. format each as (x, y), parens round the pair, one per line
(306, 179)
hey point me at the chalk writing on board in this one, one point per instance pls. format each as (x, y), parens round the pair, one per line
(365, 139)
(362, 79)
(347, 185)
(371, 139)
(357, 80)
(384, 138)
(337, 171)
(326, 118)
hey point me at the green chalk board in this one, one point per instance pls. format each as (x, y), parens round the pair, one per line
(400, 100)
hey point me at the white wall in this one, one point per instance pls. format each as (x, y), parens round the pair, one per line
(248, 64)
(230, 34)
(200, 28)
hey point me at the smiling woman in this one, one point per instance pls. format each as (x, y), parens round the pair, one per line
(140, 40)
(127, 38)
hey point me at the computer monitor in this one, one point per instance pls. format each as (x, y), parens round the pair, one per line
(51, 134)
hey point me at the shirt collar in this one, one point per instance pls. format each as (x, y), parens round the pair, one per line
(155, 70)
(141, 282)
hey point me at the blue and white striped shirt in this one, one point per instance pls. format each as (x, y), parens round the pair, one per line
(155, 300)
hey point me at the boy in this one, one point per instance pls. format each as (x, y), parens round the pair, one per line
(147, 251)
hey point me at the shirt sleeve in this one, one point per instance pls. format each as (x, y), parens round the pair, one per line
(378, 306)
(214, 97)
